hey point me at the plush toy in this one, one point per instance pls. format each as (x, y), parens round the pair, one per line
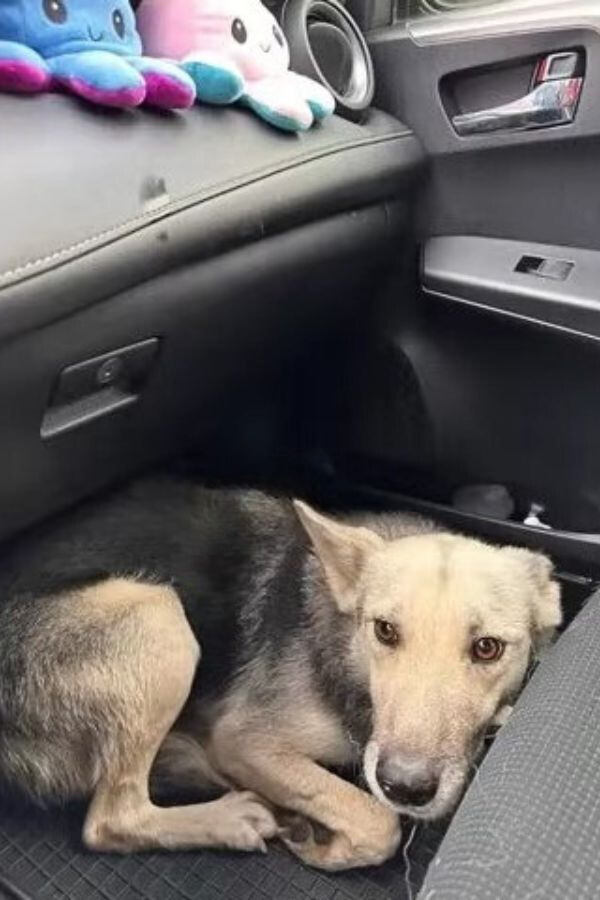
(235, 51)
(89, 47)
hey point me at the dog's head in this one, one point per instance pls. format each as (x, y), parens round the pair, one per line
(445, 627)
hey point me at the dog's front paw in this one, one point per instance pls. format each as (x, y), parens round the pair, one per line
(242, 822)
(381, 836)
(372, 844)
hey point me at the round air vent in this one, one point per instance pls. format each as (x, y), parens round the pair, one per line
(327, 44)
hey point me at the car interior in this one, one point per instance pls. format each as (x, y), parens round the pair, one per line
(398, 309)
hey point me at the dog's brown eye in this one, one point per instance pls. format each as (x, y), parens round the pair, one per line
(386, 633)
(487, 650)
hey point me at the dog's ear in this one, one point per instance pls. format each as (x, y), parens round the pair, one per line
(546, 608)
(341, 550)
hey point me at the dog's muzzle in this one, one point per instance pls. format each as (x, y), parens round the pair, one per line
(407, 782)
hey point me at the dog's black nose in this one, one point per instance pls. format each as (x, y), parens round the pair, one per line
(407, 784)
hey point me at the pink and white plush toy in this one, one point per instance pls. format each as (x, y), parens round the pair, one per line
(234, 50)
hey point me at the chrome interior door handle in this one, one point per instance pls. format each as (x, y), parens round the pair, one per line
(549, 103)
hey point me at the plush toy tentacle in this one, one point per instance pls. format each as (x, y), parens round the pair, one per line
(22, 70)
(167, 85)
(217, 79)
(275, 101)
(235, 51)
(100, 77)
(319, 99)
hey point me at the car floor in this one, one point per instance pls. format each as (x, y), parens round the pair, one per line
(42, 858)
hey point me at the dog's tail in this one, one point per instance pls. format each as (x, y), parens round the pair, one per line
(39, 770)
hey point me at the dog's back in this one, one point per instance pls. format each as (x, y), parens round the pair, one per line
(238, 560)
(214, 547)
(235, 557)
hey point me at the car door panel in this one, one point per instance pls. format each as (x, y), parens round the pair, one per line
(488, 373)
(557, 286)
(466, 194)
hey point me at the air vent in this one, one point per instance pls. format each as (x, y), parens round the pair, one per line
(327, 44)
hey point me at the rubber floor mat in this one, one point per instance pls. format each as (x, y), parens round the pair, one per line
(41, 858)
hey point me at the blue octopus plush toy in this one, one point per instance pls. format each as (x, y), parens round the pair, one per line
(88, 47)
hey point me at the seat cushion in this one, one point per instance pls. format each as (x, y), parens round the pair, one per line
(529, 825)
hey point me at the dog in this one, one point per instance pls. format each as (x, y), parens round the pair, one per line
(188, 637)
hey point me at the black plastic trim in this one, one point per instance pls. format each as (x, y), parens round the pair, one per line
(581, 550)
(484, 272)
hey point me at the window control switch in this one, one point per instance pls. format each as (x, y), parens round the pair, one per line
(556, 269)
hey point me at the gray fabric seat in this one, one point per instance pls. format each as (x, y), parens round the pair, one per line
(529, 826)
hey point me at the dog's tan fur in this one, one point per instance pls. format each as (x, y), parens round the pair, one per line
(144, 685)
(441, 592)
(429, 699)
